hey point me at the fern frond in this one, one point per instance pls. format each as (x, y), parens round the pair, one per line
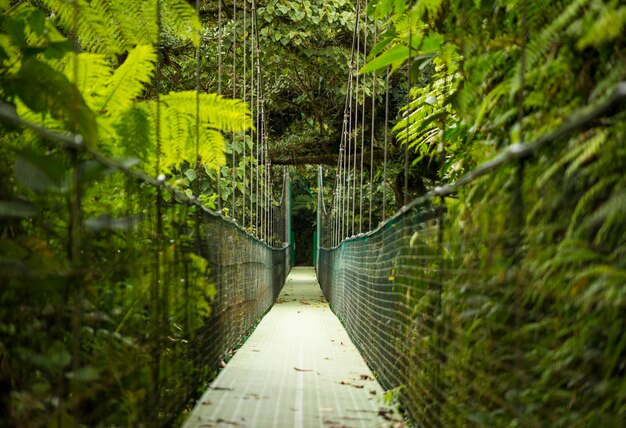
(613, 208)
(608, 27)
(212, 146)
(91, 21)
(179, 16)
(136, 21)
(93, 72)
(583, 204)
(129, 80)
(135, 132)
(591, 148)
(567, 157)
(215, 110)
(544, 41)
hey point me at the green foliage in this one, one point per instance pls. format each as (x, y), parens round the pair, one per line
(531, 319)
(113, 27)
(83, 349)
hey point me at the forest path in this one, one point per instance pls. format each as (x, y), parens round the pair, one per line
(298, 369)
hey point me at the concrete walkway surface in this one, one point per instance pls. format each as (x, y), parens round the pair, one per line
(298, 369)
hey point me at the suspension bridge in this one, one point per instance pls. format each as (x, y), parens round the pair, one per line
(418, 319)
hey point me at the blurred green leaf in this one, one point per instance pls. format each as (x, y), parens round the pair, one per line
(46, 90)
(17, 209)
(41, 173)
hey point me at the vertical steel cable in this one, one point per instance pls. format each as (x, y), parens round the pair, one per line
(197, 127)
(374, 82)
(349, 154)
(408, 109)
(356, 117)
(243, 93)
(252, 93)
(339, 187)
(365, 30)
(267, 188)
(384, 217)
(262, 186)
(234, 77)
(337, 190)
(259, 130)
(219, 92)
(346, 165)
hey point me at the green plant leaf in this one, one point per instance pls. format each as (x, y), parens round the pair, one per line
(41, 173)
(394, 57)
(17, 209)
(46, 90)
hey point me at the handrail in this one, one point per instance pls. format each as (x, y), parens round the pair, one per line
(513, 152)
(72, 141)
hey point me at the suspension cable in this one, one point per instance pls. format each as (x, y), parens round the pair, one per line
(243, 97)
(252, 112)
(344, 191)
(363, 123)
(374, 82)
(258, 115)
(234, 155)
(219, 92)
(385, 145)
(406, 143)
(356, 118)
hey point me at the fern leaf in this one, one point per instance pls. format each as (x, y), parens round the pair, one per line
(591, 148)
(182, 19)
(212, 146)
(215, 110)
(614, 207)
(136, 21)
(91, 21)
(585, 201)
(93, 71)
(568, 157)
(135, 131)
(608, 27)
(129, 80)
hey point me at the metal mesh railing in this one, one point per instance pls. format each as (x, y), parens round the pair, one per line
(120, 295)
(500, 307)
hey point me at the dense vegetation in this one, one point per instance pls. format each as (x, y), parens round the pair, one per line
(467, 79)
(521, 323)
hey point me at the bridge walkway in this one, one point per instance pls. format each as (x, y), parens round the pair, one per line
(298, 369)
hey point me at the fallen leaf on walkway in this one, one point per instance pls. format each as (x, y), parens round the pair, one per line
(220, 388)
(304, 302)
(366, 377)
(224, 421)
(334, 424)
(343, 382)
(302, 370)
(388, 415)
(373, 391)
(206, 403)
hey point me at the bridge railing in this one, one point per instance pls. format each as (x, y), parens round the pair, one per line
(120, 296)
(489, 302)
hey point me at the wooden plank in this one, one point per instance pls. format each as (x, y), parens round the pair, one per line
(298, 369)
